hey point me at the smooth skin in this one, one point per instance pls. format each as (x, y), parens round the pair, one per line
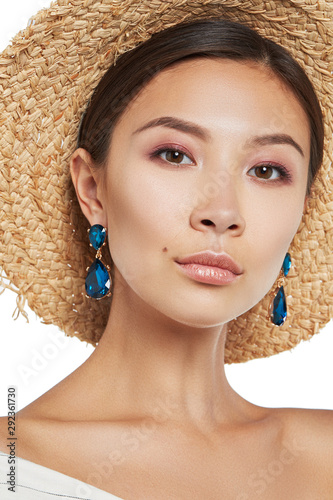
(151, 413)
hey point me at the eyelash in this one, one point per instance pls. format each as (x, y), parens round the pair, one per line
(284, 173)
(157, 153)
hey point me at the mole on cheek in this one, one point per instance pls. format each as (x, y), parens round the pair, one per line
(165, 249)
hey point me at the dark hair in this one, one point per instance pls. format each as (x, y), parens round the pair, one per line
(205, 38)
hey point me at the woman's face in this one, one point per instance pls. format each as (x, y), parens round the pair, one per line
(191, 168)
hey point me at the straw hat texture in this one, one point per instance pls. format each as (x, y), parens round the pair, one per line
(47, 75)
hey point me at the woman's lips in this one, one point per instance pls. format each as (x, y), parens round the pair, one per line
(208, 274)
(209, 267)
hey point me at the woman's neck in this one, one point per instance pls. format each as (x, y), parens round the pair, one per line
(149, 365)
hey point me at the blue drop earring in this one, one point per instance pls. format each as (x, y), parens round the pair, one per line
(98, 280)
(278, 309)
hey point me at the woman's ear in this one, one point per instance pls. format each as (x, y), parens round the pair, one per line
(86, 184)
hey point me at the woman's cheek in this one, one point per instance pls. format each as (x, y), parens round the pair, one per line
(141, 212)
(270, 229)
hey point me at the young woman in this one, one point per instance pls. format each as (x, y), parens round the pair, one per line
(197, 155)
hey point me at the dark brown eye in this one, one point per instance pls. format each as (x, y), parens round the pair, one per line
(264, 172)
(174, 156)
(268, 172)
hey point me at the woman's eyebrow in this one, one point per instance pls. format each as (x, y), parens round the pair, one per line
(204, 134)
(263, 140)
(178, 124)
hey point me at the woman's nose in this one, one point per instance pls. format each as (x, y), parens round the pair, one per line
(217, 209)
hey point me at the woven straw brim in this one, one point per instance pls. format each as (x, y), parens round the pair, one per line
(46, 78)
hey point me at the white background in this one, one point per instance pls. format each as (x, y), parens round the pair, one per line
(34, 357)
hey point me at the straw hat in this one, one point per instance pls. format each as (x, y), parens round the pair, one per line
(48, 74)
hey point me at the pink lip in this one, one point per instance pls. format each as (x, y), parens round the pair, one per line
(209, 267)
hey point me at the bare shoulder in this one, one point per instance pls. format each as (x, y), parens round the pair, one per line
(313, 427)
(8, 432)
(309, 433)
(3, 434)
(29, 426)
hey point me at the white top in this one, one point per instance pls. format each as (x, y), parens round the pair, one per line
(35, 482)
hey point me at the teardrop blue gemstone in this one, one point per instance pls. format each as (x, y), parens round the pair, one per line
(286, 264)
(97, 235)
(97, 280)
(279, 308)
